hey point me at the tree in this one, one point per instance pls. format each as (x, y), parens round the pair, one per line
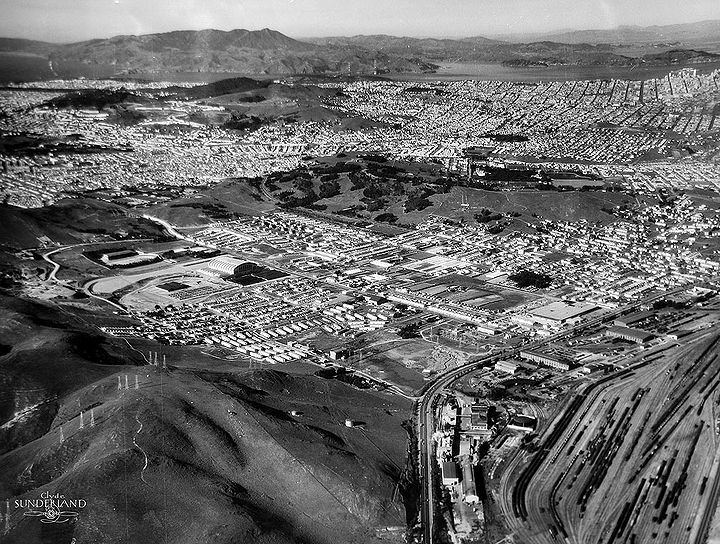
(528, 278)
(329, 188)
(386, 218)
(409, 331)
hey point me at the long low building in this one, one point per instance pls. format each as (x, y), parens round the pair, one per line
(559, 312)
(506, 366)
(554, 360)
(469, 486)
(628, 333)
(630, 319)
(523, 422)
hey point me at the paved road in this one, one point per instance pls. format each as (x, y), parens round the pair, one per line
(87, 288)
(172, 230)
(56, 266)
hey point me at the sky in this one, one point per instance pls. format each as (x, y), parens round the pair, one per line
(75, 20)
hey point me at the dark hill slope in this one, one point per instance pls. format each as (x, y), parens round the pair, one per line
(69, 222)
(681, 56)
(93, 98)
(47, 354)
(18, 45)
(190, 457)
(244, 51)
(218, 88)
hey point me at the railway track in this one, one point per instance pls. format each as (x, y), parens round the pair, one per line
(431, 390)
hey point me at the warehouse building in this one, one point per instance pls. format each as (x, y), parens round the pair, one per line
(479, 417)
(638, 336)
(506, 366)
(469, 488)
(631, 319)
(553, 360)
(561, 313)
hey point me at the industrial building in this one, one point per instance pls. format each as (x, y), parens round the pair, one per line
(631, 319)
(523, 422)
(632, 335)
(551, 359)
(469, 487)
(450, 474)
(479, 417)
(338, 353)
(506, 366)
(561, 313)
(224, 265)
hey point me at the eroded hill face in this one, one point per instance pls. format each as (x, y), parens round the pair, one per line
(47, 354)
(203, 456)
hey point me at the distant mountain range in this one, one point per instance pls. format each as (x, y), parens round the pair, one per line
(270, 52)
(485, 50)
(686, 33)
(254, 52)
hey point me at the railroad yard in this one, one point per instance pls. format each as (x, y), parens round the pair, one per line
(630, 457)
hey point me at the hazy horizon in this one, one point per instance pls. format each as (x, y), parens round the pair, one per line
(78, 20)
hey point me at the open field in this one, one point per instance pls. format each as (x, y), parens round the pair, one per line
(553, 205)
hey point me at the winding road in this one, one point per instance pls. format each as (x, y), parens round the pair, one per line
(137, 433)
(87, 288)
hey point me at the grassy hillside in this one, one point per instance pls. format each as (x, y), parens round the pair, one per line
(47, 354)
(191, 457)
(70, 222)
(188, 455)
